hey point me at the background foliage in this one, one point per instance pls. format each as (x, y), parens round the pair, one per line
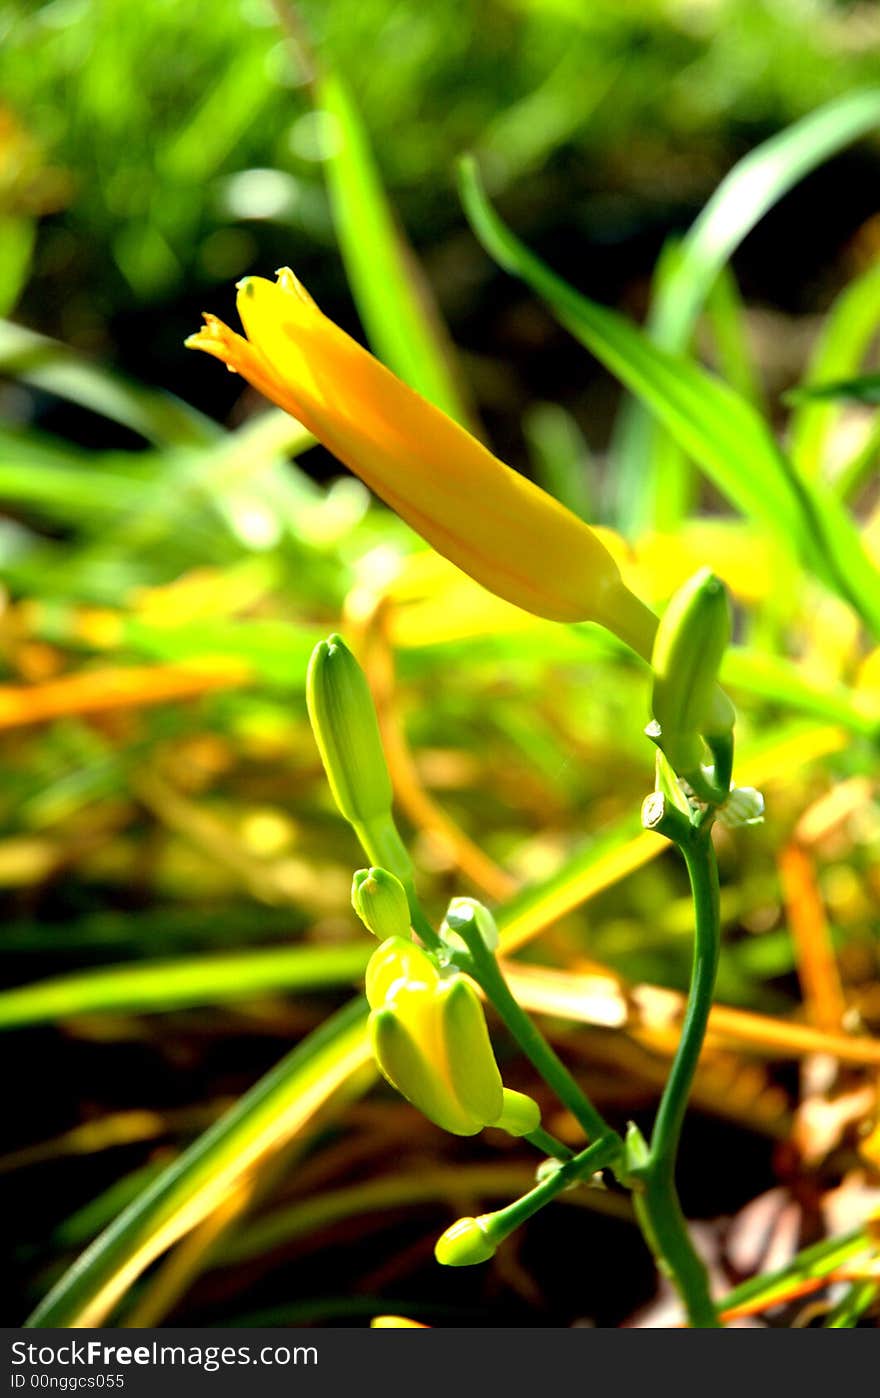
(174, 878)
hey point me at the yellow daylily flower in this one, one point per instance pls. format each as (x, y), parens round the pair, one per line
(487, 519)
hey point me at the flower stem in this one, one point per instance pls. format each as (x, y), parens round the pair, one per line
(548, 1145)
(657, 1202)
(604, 1151)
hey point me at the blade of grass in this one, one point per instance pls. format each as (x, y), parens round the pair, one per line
(816, 1261)
(561, 458)
(760, 675)
(393, 299)
(744, 196)
(48, 365)
(849, 328)
(709, 420)
(855, 473)
(854, 1305)
(726, 316)
(181, 982)
(281, 1104)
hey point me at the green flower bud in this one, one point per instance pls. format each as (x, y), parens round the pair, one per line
(636, 1154)
(464, 1244)
(346, 730)
(520, 1115)
(466, 915)
(380, 901)
(691, 639)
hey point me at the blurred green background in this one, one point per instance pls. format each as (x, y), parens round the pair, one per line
(149, 157)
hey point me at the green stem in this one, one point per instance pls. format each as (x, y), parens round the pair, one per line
(501, 1224)
(548, 1145)
(657, 1203)
(381, 842)
(487, 973)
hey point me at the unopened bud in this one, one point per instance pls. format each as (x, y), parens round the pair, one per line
(380, 901)
(346, 730)
(520, 1114)
(691, 639)
(466, 918)
(464, 1244)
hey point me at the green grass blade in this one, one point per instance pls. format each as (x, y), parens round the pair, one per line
(560, 457)
(17, 239)
(708, 419)
(267, 1117)
(863, 389)
(761, 675)
(745, 195)
(856, 1303)
(849, 328)
(651, 481)
(855, 472)
(182, 982)
(726, 316)
(393, 301)
(742, 199)
(815, 1261)
(48, 365)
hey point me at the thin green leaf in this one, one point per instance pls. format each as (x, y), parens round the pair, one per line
(560, 457)
(859, 468)
(266, 1118)
(162, 985)
(48, 365)
(742, 199)
(849, 328)
(815, 1261)
(393, 300)
(726, 317)
(745, 195)
(708, 419)
(17, 237)
(865, 389)
(858, 1300)
(761, 675)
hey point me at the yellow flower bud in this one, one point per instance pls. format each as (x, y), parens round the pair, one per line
(473, 1071)
(396, 1322)
(380, 901)
(429, 1036)
(464, 1244)
(494, 524)
(397, 962)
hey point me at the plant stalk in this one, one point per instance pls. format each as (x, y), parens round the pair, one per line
(656, 1197)
(486, 972)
